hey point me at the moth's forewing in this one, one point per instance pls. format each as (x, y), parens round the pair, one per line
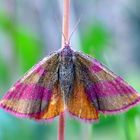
(109, 92)
(36, 95)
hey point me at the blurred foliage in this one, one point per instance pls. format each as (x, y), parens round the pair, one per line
(26, 50)
(25, 45)
(134, 22)
(95, 39)
(4, 74)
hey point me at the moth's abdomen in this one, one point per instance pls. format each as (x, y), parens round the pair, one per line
(66, 80)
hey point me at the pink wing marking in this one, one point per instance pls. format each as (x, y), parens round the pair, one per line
(111, 88)
(29, 92)
(96, 67)
(116, 93)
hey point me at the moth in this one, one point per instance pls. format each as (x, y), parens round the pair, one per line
(69, 81)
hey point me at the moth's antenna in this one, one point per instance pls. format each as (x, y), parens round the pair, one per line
(75, 27)
(59, 28)
(64, 37)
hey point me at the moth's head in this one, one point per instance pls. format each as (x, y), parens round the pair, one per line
(66, 44)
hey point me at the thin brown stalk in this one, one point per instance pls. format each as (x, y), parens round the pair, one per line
(66, 16)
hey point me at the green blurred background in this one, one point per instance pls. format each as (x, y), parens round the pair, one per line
(109, 30)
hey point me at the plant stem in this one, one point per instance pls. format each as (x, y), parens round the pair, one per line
(66, 16)
(61, 127)
(66, 21)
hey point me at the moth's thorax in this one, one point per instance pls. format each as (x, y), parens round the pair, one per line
(66, 55)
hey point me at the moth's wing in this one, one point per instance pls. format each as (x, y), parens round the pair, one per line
(107, 91)
(37, 94)
(78, 104)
